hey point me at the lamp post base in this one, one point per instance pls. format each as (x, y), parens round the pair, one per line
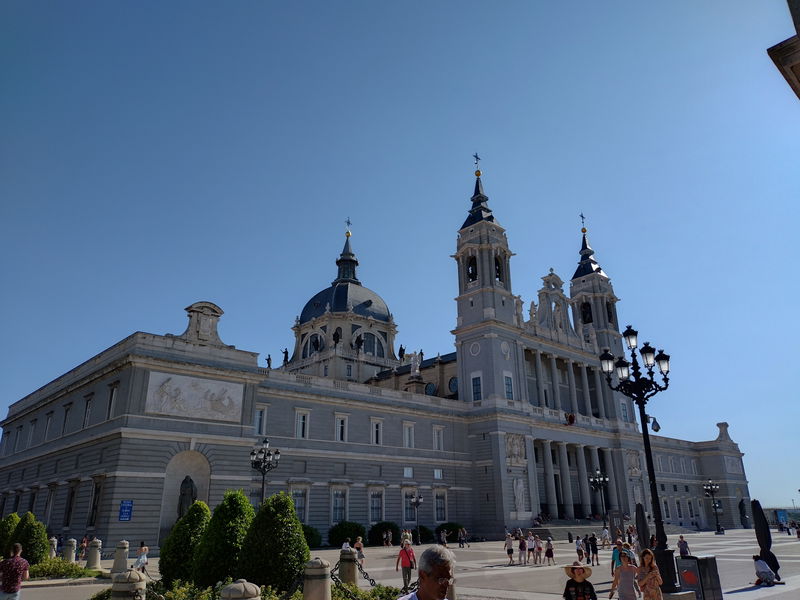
(669, 575)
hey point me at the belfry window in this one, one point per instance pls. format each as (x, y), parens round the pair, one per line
(372, 345)
(586, 312)
(472, 269)
(610, 312)
(498, 269)
(313, 344)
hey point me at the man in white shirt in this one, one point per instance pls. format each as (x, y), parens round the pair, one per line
(764, 574)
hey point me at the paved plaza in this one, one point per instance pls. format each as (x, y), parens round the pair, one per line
(481, 571)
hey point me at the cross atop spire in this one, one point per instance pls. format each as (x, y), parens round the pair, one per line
(477, 161)
(480, 210)
(583, 220)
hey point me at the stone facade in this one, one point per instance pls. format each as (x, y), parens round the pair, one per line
(507, 427)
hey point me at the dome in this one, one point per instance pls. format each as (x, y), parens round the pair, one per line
(346, 296)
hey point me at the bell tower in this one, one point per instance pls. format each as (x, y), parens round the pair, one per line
(489, 315)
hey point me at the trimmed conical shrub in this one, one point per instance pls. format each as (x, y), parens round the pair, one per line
(7, 527)
(32, 534)
(178, 550)
(217, 555)
(275, 548)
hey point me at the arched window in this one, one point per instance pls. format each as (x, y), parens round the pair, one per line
(472, 269)
(314, 343)
(586, 312)
(498, 269)
(372, 345)
(610, 312)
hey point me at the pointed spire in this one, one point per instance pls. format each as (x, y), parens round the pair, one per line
(587, 265)
(480, 210)
(347, 261)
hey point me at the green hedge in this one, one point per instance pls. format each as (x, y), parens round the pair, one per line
(274, 549)
(313, 536)
(375, 535)
(58, 568)
(32, 534)
(452, 529)
(426, 533)
(217, 554)
(179, 547)
(7, 528)
(343, 530)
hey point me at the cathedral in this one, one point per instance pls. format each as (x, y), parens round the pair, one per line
(507, 428)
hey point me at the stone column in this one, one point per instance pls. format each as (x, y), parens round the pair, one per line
(317, 581)
(595, 458)
(128, 584)
(121, 557)
(549, 480)
(566, 481)
(93, 554)
(500, 476)
(53, 545)
(241, 589)
(347, 566)
(599, 384)
(587, 398)
(539, 376)
(613, 498)
(69, 550)
(533, 478)
(583, 482)
(554, 376)
(573, 392)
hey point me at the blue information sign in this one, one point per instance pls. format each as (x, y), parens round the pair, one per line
(125, 510)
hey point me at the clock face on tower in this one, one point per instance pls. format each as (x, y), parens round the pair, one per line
(452, 385)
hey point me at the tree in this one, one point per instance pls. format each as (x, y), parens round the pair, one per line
(7, 527)
(178, 550)
(217, 555)
(32, 534)
(275, 548)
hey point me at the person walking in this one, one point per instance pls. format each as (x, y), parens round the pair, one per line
(359, 547)
(407, 561)
(649, 577)
(508, 544)
(13, 571)
(593, 550)
(615, 556)
(605, 538)
(82, 548)
(531, 547)
(141, 557)
(578, 587)
(579, 547)
(625, 580)
(683, 547)
(523, 550)
(538, 547)
(549, 552)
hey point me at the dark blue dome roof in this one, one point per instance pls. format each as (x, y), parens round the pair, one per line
(342, 296)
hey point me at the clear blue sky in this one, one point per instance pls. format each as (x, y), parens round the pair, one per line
(154, 154)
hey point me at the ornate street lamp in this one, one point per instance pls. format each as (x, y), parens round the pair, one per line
(263, 460)
(416, 502)
(640, 387)
(598, 482)
(711, 490)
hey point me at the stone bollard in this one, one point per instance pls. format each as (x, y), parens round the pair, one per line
(347, 566)
(69, 550)
(121, 557)
(241, 590)
(317, 579)
(53, 545)
(128, 584)
(93, 555)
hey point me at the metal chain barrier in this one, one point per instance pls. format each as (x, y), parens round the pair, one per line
(364, 574)
(297, 584)
(344, 589)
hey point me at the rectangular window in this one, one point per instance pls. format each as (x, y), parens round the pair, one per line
(259, 420)
(340, 432)
(87, 410)
(691, 509)
(95, 504)
(48, 423)
(301, 424)
(325, 371)
(349, 370)
(663, 487)
(686, 488)
(438, 437)
(299, 499)
(678, 509)
(112, 398)
(408, 435)
(440, 500)
(509, 385)
(31, 432)
(18, 440)
(376, 506)
(69, 506)
(476, 389)
(666, 509)
(623, 410)
(16, 502)
(377, 431)
(48, 504)
(339, 506)
(32, 501)
(674, 488)
(437, 474)
(408, 472)
(2, 504)
(67, 410)
(409, 512)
